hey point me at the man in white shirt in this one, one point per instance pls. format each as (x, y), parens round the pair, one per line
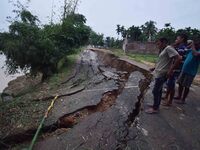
(164, 69)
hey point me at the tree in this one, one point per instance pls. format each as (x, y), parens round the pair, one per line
(167, 25)
(111, 42)
(187, 31)
(149, 32)
(168, 32)
(195, 34)
(123, 32)
(134, 33)
(149, 29)
(73, 32)
(69, 7)
(118, 30)
(108, 41)
(39, 49)
(96, 39)
(192, 34)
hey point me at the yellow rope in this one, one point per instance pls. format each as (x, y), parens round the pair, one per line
(41, 123)
(51, 106)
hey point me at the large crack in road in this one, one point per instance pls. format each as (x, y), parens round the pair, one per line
(98, 116)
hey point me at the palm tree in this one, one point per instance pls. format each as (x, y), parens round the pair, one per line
(188, 30)
(195, 34)
(167, 25)
(123, 31)
(149, 29)
(134, 33)
(118, 30)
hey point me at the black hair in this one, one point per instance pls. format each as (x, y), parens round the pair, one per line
(184, 37)
(163, 40)
(197, 43)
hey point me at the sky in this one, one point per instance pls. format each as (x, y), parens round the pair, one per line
(104, 15)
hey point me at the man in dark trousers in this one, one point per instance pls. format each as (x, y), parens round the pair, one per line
(164, 69)
(181, 47)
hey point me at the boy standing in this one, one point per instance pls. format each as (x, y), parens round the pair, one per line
(189, 71)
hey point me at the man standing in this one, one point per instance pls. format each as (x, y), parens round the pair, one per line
(181, 47)
(125, 43)
(163, 70)
(189, 71)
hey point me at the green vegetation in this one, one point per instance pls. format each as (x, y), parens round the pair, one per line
(18, 111)
(137, 57)
(136, 33)
(144, 57)
(0, 99)
(149, 32)
(111, 42)
(38, 49)
(98, 40)
(66, 66)
(168, 32)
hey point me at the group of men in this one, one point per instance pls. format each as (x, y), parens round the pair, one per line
(176, 63)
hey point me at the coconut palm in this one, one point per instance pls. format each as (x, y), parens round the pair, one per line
(167, 25)
(134, 33)
(149, 29)
(123, 32)
(118, 29)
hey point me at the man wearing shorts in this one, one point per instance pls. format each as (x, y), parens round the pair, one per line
(189, 71)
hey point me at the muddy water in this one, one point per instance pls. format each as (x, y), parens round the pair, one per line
(5, 78)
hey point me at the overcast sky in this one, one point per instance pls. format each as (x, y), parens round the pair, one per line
(104, 15)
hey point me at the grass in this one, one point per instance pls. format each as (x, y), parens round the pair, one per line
(24, 112)
(65, 67)
(137, 57)
(64, 70)
(143, 57)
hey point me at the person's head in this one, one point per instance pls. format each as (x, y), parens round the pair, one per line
(197, 44)
(194, 44)
(189, 43)
(181, 39)
(162, 43)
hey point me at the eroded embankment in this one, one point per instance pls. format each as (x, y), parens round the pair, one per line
(110, 85)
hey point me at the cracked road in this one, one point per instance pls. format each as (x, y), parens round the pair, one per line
(100, 107)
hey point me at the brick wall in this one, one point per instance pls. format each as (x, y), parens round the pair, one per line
(142, 47)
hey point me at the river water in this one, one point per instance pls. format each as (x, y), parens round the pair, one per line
(5, 78)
